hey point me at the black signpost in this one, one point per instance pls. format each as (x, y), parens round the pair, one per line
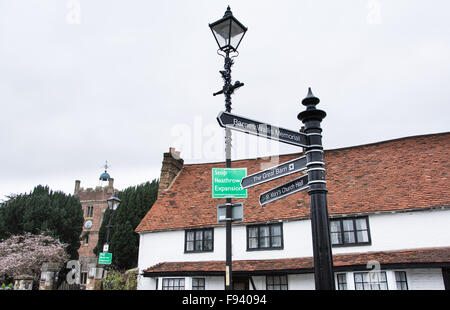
(323, 259)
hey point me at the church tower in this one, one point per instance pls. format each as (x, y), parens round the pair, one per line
(93, 202)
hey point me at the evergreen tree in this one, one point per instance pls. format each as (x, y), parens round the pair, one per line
(136, 201)
(44, 211)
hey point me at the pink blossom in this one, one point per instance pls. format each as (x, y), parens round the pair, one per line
(25, 254)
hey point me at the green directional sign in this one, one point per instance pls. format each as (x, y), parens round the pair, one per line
(226, 183)
(105, 258)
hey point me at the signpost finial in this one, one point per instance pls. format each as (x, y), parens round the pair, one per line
(310, 100)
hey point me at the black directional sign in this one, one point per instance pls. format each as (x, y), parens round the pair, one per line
(279, 171)
(256, 128)
(284, 190)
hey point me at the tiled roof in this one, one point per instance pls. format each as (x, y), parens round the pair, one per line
(401, 174)
(340, 261)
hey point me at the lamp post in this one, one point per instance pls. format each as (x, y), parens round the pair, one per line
(113, 204)
(228, 33)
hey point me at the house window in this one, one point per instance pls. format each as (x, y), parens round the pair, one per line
(400, 279)
(263, 237)
(276, 282)
(199, 240)
(342, 281)
(173, 284)
(350, 231)
(198, 284)
(370, 281)
(90, 211)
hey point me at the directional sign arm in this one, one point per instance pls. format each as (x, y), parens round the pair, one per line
(243, 124)
(276, 172)
(284, 190)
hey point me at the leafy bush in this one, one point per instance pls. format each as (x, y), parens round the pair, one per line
(114, 281)
(10, 286)
(117, 280)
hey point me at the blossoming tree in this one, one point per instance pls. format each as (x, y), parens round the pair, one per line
(25, 254)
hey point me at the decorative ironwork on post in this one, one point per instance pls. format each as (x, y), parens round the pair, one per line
(228, 33)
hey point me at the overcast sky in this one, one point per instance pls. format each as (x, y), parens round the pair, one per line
(85, 81)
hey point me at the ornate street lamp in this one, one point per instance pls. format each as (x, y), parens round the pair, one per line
(228, 33)
(113, 202)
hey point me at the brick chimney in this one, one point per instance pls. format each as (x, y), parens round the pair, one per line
(171, 166)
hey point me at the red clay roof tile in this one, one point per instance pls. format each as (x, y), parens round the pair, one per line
(401, 174)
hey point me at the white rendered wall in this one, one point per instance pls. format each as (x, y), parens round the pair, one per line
(417, 279)
(301, 281)
(260, 283)
(146, 283)
(295, 282)
(168, 246)
(211, 283)
(408, 230)
(388, 231)
(425, 279)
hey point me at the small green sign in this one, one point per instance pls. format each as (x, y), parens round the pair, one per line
(226, 183)
(105, 258)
